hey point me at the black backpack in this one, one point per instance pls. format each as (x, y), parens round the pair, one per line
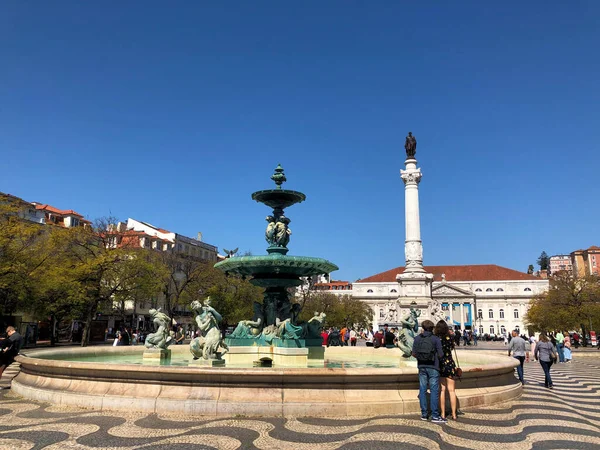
(424, 349)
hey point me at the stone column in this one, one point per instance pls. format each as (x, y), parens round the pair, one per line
(462, 316)
(413, 248)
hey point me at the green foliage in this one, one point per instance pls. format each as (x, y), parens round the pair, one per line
(569, 303)
(340, 310)
(530, 269)
(544, 261)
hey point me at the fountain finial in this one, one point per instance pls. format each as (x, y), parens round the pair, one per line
(278, 177)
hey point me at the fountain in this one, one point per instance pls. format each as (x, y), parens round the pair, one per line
(273, 364)
(274, 336)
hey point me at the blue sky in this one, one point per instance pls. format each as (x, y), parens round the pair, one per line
(175, 112)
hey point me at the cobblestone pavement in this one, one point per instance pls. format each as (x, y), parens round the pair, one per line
(564, 418)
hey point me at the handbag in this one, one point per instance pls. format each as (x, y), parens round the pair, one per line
(458, 371)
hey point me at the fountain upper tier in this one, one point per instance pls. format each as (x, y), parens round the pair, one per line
(276, 269)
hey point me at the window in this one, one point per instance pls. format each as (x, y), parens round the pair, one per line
(502, 314)
(381, 314)
(478, 290)
(480, 313)
(502, 329)
(393, 290)
(491, 313)
(489, 290)
(491, 329)
(499, 290)
(480, 329)
(527, 289)
(516, 313)
(369, 291)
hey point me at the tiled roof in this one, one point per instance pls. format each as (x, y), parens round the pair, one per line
(478, 272)
(63, 212)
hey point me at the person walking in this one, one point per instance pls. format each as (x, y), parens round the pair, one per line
(447, 369)
(560, 345)
(517, 347)
(546, 354)
(532, 341)
(427, 349)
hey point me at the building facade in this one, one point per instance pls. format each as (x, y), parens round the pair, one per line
(487, 298)
(560, 263)
(586, 262)
(66, 218)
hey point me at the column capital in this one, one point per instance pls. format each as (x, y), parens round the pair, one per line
(411, 176)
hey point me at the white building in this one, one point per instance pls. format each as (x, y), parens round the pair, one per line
(488, 298)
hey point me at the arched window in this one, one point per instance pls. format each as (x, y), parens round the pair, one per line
(527, 289)
(491, 329)
(502, 329)
(393, 290)
(502, 314)
(369, 291)
(517, 329)
(381, 313)
(499, 290)
(478, 290)
(480, 329)
(516, 313)
(489, 290)
(480, 313)
(490, 313)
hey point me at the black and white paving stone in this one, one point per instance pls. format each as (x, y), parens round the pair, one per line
(567, 417)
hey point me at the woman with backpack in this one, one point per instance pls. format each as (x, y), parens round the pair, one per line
(447, 368)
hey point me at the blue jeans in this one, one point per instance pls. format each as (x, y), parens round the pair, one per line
(561, 353)
(546, 367)
(429, 378)
(520, 366)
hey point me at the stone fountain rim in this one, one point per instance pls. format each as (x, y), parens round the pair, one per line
(98, 369)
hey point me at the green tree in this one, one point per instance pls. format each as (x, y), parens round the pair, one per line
(101, 270)
(544, 261)
(24, 251)
(340, 310)
(570, 303)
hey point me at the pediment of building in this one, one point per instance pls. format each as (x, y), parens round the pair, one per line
(448, 290)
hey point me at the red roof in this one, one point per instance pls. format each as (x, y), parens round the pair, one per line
(478, 272)
(64, 212)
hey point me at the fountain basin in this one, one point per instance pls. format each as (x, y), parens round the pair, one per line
(265, 392)
(282, 270)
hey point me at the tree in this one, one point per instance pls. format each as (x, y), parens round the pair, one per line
(100, 271)
(340, 310)
(570, 303)
(530, 269)
(24, 250)
(544, 261)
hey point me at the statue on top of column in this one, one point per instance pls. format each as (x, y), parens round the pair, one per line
(410, 145)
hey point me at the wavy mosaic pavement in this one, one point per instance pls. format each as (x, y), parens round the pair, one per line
(567, 417)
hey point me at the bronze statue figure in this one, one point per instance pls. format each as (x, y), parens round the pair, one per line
(410, 145)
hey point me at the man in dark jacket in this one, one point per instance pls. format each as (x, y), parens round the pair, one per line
(10, 348)
(427, 349)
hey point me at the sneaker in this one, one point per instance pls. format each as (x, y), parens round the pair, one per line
(424, 418)
(439, 420)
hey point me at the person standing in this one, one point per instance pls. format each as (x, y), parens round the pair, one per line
(475, 338)
(567, 348)
(545, 353)
(353, 337)
(369, 338)
(532, 341)
(517, 347)
(10, 348)
(560, 345)
(427, 349)
(447, 369)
